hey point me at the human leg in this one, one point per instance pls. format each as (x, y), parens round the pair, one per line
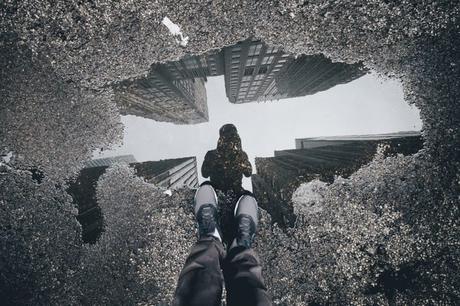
(242, 270)
(201, 280)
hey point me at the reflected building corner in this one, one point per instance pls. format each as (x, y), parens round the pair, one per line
(253, 71)
(322, 158)
(164, 98)
(172, 92)
(257, 72)
(168, 173)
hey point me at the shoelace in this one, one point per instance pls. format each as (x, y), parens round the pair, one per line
(206, 220)
(244, 232)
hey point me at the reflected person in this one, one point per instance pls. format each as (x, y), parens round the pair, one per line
(226, 165)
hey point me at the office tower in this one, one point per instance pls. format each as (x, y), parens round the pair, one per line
(162, 97)
(401, 138)
(168, 173)
(108, 161)
(310, 74)
(197, 66)
(319, 158)
(175, 91)
(250, 70)
(257, 72)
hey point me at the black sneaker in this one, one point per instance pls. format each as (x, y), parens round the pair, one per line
(246, 220)
(206, 211)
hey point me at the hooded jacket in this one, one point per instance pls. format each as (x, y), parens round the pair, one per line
(226, 165)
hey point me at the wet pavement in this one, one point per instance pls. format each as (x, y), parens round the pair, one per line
(388, 234)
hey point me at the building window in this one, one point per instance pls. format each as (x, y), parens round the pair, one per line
(254, 49)
(248, 71)
(251, 61)
(191, 63)
(272, 50)
(268, 60)
(262, 70)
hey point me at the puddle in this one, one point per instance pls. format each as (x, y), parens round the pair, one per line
(297, 118)
(272, 97)
(331, 230)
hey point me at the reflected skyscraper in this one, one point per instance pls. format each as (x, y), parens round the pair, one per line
(250, 71)
(257, 72)
(175, 91)
(162, 96)
(108, 161)
(206, 65)
(319, 158)
(310, 74)
(168, 173)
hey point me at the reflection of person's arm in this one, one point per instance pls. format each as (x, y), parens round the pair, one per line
(206, 166)
(247, 168)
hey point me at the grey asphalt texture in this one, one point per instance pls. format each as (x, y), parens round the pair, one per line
(59, 61)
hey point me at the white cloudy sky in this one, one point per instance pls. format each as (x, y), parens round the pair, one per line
(368, 105)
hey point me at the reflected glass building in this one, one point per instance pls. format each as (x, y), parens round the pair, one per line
(250, 70)
(168, 173)
(257, 72)
(163, 97)
(320, 158)
(189, 67)
(253, 71)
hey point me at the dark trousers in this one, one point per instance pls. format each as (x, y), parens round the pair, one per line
(201, 279)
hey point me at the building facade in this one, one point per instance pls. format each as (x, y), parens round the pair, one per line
(320, 158)
(253, 71)
(310, 74)
(257, 72)
(168, 173)
(162, 97)
(197, 66)
(250, 70)
(108, 161)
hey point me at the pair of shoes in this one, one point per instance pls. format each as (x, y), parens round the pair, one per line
(245, 215)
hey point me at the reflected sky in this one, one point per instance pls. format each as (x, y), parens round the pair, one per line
(368, 105)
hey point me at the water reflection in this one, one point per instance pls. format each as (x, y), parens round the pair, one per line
(168, 173)
(322, 158)
(226, 165)
(175, 91)
(251, 71)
